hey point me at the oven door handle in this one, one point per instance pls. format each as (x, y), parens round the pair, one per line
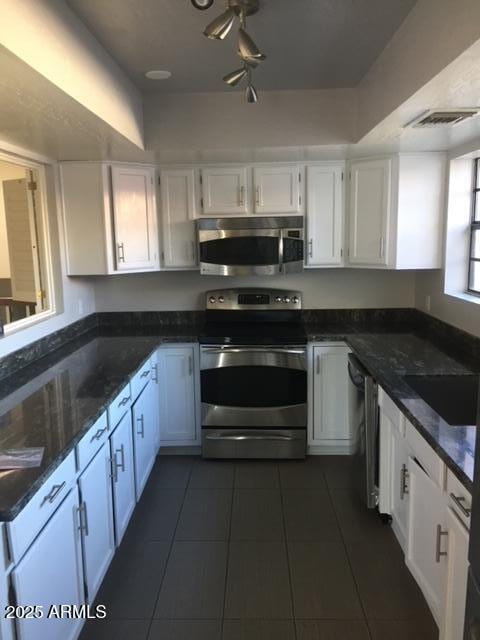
(243, 437)
(217, 351)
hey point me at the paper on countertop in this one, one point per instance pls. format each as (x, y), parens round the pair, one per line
(24, 458)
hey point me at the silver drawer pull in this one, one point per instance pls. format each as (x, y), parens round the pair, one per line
(98, 435)
(438, 552)
(120, 465)
(241, 437)
(82, 515)
(50, 497)
(123, 402)
(459, 500)
(155, 373)
(145, 374)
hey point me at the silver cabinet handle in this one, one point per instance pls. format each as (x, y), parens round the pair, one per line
(141, 420)
(241, 196)
(438, 552)
(310, 248)
(124, 401)
(190, 365)
(155, 373)
(50, 497)
(403, 481)
(120, 252)
(120, 465)
(98, 434)
(459, 500)
(258, 195)
(83, 518)
(318, 365)
(114, 468)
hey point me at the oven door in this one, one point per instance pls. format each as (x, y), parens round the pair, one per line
(254, 387)
(240, 252)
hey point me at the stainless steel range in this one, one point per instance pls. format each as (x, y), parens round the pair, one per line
(253, 361)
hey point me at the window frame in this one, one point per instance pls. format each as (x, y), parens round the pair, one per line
(474, 226)
(40, 170)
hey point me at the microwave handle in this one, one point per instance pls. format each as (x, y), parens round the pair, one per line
(280, 251)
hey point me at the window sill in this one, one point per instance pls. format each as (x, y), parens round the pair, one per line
(26, 323)
(464, 296)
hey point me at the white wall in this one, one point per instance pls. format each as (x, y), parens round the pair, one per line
(50, 38)
(322, 289)
(205, 121)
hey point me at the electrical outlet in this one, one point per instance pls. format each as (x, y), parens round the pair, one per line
(428, 302)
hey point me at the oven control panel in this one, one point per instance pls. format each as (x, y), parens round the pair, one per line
(253, 299)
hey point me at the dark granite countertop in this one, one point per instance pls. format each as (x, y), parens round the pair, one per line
(54, 400)
(390, 356)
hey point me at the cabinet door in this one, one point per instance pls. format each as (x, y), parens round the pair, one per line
(123, 475)
(144, 413)
(177, 395)
(224, 190)
(453, 610)
(134, 218)
(370, 211)
(399, 485)
(330, 394)
(425, 552)
(324, 215)
(178, 213)
(156, 382)
(96, 518)
(277, 189)
(50, 573)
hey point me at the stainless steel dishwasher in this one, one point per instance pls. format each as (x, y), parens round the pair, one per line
(363, 399)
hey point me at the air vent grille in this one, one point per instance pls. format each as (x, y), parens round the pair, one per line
(443, 117)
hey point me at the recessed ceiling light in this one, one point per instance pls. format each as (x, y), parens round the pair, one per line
(202, 4)
(158, 74)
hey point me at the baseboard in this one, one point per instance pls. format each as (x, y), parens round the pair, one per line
(334, 449)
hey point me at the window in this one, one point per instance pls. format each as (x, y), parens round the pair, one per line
(25, 267)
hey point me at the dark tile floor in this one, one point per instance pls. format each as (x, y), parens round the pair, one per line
(258, 551)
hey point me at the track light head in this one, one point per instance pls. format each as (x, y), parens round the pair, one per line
(251, 94)
(247, 49)
(219, 28)
(235, 77)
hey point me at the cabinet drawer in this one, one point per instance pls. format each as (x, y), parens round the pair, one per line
(391, 410)
(119, 406)
(140, 379)
(425, 455)
(92, 441)
(41, 506)
(459, 499)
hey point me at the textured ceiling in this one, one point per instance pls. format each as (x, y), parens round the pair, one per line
(310, 44)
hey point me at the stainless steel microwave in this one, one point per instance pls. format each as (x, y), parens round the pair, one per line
(251, 246)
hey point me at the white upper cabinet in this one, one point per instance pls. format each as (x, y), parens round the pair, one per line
(224, 190)
(178, 214)
(277, 189)
(396, 211)
(324, 221)
(134, 218)
(110, 218)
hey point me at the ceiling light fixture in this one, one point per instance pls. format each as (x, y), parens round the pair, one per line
(202, 4)
(158, 74)
(247, 50)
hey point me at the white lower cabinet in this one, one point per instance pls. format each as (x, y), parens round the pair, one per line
(178, 369)
(145, 427)
(330, 429)
(96, 520)
(453, 610)
(51, 573)
(123, 475)
(427, 537)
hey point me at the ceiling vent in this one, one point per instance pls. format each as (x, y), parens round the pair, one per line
(443, 117)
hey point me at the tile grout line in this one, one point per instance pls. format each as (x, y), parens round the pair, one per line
(152, 619)
(288, 555)
(228, 550)
(332, 502)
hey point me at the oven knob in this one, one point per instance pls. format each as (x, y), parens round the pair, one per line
(295, 300)
(221, 299)
(212, 300)
(278, 299)
(286, 299)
